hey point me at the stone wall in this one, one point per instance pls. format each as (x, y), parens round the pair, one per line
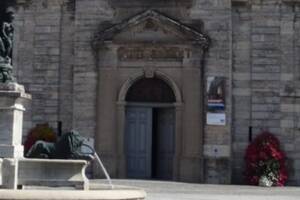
(216, 18)
(254, 45)
(37, 59)
(265, 77)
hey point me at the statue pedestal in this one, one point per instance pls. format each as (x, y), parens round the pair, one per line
(12, 99)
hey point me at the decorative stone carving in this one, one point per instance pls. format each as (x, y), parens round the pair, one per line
(6, 43)
(149, 72)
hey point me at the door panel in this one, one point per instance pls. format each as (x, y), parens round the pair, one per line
(138, 134)
(165, 143)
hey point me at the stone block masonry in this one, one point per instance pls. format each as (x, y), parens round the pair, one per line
(269, 61)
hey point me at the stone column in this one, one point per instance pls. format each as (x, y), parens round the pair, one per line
(178, 144)
(121, 165)
(12, 98)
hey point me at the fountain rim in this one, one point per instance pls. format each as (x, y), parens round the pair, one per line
(115, 194)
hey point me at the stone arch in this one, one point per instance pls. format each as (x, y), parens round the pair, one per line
(126, 86)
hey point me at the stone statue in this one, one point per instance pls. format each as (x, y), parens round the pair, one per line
(6, 44)
(67, 147)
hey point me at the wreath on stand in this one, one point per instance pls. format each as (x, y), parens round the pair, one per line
(265, 162)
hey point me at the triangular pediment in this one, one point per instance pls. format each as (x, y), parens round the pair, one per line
(152, 27)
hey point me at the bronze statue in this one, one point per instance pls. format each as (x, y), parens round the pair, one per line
(6, 44)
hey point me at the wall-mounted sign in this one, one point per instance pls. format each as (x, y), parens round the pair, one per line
(215, 101)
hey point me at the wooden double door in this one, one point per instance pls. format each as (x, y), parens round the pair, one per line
(149, 142)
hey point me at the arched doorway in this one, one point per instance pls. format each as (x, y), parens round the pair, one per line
(150, 129)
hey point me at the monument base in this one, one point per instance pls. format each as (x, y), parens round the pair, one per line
(12, 99)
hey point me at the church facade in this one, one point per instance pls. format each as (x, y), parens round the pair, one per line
(171, 90)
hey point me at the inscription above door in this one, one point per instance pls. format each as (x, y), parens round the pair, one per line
(150, 53)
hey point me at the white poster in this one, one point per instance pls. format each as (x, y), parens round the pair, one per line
(216, 101)
(216, 119)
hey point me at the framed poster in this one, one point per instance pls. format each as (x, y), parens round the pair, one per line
(216, 101)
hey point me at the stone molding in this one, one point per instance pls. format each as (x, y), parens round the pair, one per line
(125, 87)
(13, 90)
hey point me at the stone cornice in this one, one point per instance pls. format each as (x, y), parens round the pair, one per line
(240, 1)
(27, 3)
(291, 1)
(261, 1)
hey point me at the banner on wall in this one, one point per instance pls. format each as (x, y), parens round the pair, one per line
(216, 101)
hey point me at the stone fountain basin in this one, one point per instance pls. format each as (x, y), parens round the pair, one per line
(118, 193)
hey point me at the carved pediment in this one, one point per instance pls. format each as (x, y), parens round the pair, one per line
(150, 31)
(152, 27)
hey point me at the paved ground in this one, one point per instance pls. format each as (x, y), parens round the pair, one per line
(158, 190)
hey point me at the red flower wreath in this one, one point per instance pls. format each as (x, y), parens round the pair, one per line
(265, 159)
(40, 132)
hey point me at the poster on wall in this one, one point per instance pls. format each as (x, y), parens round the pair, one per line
(216, 101)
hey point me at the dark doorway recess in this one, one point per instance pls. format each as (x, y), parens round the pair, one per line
(163, 143)
(150, 130)
(150, 90)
